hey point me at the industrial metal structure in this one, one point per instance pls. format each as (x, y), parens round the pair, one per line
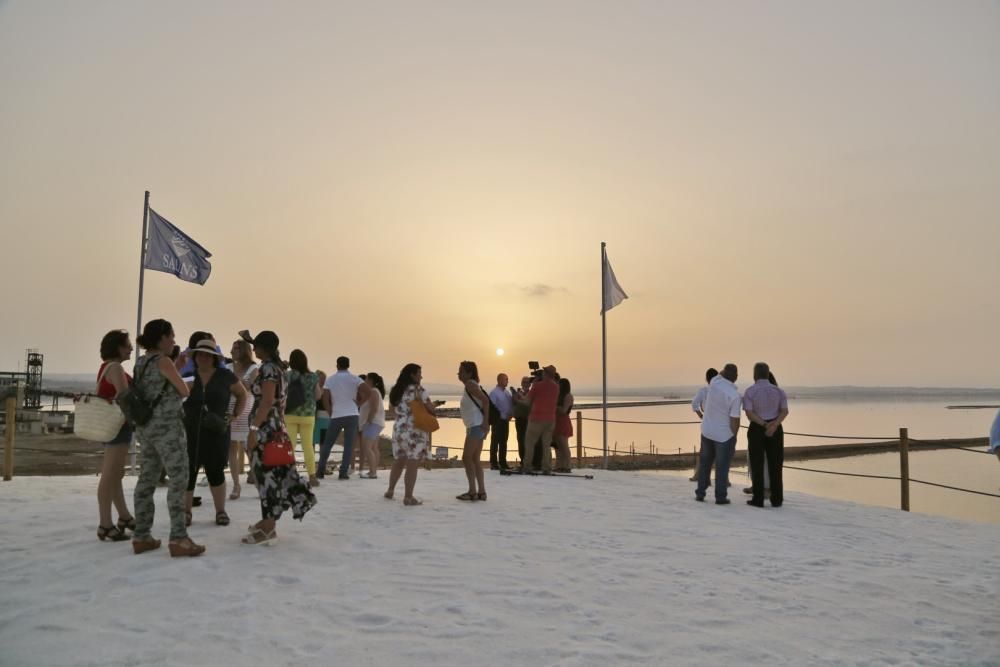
(31, 377)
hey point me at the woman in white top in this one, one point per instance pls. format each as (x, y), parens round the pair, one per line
(372, 425)
(474, 409)
(239, 430)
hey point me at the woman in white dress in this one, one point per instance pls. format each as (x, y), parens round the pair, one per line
(246, 370)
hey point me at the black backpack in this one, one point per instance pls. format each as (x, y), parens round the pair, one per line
(296, 397)
(138, 410)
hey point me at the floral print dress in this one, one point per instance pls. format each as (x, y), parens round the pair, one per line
(409, 442)
(280, 487)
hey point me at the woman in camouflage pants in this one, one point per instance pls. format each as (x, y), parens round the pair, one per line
(164, 442)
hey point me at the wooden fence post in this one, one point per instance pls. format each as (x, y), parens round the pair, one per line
(10, 405)
(579, 439)
(904, 469)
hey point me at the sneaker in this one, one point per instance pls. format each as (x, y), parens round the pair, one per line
(722, 501)
(700, 499)
(344, 475)
(754, 504)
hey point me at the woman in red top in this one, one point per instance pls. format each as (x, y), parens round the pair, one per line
(564, 426)
(111, 380)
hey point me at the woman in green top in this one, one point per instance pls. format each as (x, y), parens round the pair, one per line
(300, 418)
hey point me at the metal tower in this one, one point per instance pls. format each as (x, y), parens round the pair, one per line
(33, 390)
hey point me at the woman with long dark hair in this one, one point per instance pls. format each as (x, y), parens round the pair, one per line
(301, 419)
(474, 407)
(564, 426)
(207, 417)
(280, 487)
(111, 381)
(409, 444)
(245, 369)
(374, 423)
(164, 442)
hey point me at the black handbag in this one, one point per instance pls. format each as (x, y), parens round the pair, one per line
(210, 421)
(138, 410)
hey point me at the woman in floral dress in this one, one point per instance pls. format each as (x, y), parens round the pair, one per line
(409, 444)
(280, 487)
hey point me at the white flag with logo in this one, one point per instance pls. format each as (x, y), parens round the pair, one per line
(613, 292)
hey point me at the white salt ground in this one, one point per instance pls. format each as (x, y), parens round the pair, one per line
(623, 570)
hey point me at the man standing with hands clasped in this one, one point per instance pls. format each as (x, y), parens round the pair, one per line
(719, 426)
(766, 406)
(500, 430)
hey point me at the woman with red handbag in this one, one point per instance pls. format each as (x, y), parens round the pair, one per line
(271, 457)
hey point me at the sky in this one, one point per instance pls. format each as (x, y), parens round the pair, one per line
(812, 184)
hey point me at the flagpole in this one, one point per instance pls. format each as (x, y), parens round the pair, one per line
(138, 314)
(142, 263)
(604, 352)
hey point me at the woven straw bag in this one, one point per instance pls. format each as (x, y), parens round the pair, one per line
(97, 419)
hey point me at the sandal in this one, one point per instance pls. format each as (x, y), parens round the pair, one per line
(184, 547)
(126, 524)
(258, 536)
(482, 496)
(235, 495)
(221, 519)
(411, 501)
(467, 496)
(112, 533)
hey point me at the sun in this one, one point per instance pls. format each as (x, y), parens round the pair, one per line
(499, 351)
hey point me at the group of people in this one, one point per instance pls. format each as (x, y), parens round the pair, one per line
(541, 409)
(719, 406)
(209, 412)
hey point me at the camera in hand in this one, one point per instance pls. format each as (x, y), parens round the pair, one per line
(535, 371)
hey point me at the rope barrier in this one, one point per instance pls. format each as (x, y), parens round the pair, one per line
(917, 481)
(955, 488)
(959, 447)
(804, 435)
(619, 421)
(845, 474)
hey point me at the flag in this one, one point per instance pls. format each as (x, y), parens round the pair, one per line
(172, 251)
(613, 294)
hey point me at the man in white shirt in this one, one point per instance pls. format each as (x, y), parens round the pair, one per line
(500, 431)
(719, 425)
(343, 392)
(698, 405)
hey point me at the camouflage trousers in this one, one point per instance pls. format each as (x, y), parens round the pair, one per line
(164, 445)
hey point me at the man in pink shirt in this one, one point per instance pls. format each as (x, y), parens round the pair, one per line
(542, 398)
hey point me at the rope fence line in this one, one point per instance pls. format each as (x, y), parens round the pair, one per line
(958, 447)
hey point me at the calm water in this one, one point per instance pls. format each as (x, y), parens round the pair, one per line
(878, 420)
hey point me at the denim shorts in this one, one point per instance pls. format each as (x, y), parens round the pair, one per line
(124, 437)
(476, 432)
(371, 431)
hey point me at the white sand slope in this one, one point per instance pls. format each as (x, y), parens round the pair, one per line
(623, 570)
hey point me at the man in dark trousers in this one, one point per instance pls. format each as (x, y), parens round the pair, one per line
(500, 429)
(766, 406)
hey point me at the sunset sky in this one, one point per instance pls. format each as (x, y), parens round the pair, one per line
(814, 184)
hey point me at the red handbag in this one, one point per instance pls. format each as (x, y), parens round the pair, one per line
(278, 451)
